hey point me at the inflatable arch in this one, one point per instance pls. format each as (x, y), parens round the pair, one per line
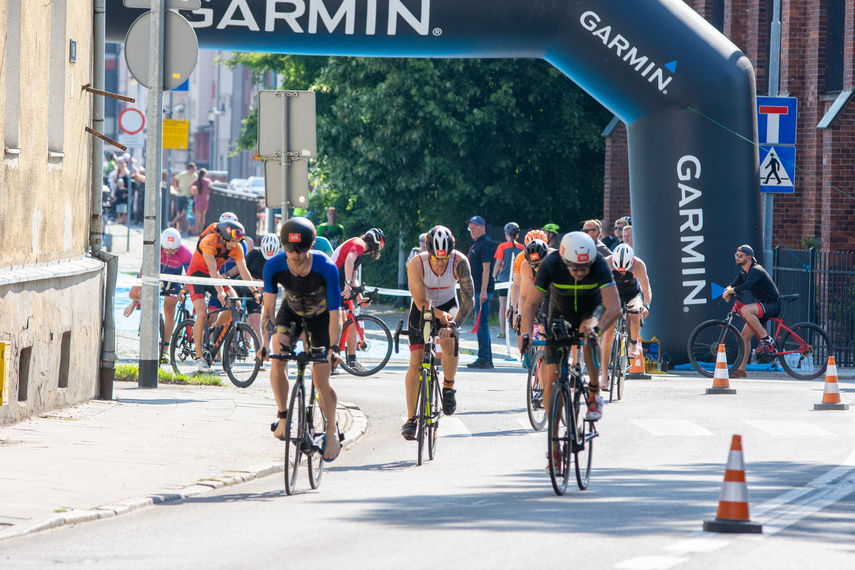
(694, 185)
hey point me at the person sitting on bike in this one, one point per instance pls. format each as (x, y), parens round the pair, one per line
(432, 276)
(767, 304)
(213, 249)
(309, 282)
(347, 258)
(633, 285)
(513, 311)
(174, 260)
(581, 290)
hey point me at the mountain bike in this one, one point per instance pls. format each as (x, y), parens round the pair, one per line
(802, 350)
(370, 337)
(567, 408)
(237, 339)
(307, 423)
(619, 357)
(429, 400)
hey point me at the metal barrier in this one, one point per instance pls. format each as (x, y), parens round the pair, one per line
(245, 205)
(825, 282)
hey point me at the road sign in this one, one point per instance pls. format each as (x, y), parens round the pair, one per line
(180, 49)
(170, 4)
(299, 113)
(777, 169)
(132, 141)
(131, 121)
(176, 134)
(776, 120)
(298, 183)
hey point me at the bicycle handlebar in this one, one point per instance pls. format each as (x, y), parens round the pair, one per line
(359, 289)
(434, 332)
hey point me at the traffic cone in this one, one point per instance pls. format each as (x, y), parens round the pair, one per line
(831, 395)
(732, 515)
(721, 379)
(636, 367)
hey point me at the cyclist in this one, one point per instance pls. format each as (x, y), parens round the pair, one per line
(310, 292)
(212, 250)
(255, 262)
(174, 260)
(752, 277)
(633, 285)
(432, 276)
(347, 258)
(516, 286)
(581, 289)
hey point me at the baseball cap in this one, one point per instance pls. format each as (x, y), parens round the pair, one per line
(746, 249)
(477, 220)
(552, 228)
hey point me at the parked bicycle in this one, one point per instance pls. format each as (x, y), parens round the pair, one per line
(429, 400)
(237, 339)
(306, 421)
(370, 336)
(619, 357)
(802, 350)
(567, 408)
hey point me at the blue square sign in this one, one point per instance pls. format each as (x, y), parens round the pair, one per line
(777, 169)
(776, 120)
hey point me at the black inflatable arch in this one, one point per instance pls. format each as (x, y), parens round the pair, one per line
(694, 185)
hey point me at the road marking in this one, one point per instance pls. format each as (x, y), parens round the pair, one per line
(671, 427)
(787, 428)
(524, 422)
(650, 563)
(452, 427)
(695, 545)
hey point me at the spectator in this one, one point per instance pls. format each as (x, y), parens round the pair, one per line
(120, 180)
(417, 250)
(620, 224)
(593, 229)
(332, 231)
(552, 231)
(607, 237)
(627, 236)
(201, 191)
(505, 255)
(481, 261)
(181, 190)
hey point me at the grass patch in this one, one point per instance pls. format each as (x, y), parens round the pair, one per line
(130, 373)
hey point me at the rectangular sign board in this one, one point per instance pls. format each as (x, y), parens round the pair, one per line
(132, 141)
(298, 183)
(298, 109)
(777, 120)
(170, 4)
(777, 169)
(176, 134)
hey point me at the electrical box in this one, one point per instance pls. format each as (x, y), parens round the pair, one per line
(4, 372)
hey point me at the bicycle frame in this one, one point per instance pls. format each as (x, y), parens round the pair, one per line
(781, 328)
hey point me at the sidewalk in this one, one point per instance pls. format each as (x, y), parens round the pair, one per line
(144, 447)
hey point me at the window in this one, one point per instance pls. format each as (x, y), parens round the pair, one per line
(717, 16)
(56, 77)
(12, 88)
(835, 28)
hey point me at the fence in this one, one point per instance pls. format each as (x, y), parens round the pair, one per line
(245, 205)
(825, 282)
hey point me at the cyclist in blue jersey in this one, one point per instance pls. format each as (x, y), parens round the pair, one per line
(309, 281)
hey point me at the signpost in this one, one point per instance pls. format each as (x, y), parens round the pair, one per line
(176, 134)
(180, 50)
(776, 132)
(777, 169)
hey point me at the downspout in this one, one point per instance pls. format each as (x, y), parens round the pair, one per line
(96, 222)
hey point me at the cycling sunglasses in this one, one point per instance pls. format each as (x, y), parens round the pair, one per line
(577, 266)
(295, 247)
(235, 233)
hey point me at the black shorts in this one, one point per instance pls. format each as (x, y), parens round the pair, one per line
(771, 309)
(414, 331)
(198, 291)
(628, 300)
(181, 203)
(168, 289)
(550, 352)
(252, 307)
(318, 327)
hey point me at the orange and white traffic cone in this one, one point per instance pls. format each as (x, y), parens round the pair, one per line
(636, 366)
(732, 515)
(831, 395)
(721, 379)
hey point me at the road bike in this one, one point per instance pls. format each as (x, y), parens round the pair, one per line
(307, 423)
(570, 434)
(619, 357)
(368, 334)
(802, 350)
(429, 400)
(237, 339)
(534, 384)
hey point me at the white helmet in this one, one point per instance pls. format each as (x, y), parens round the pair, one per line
(228, 217)
(578, 248)
(622, 257)
(270, 245)
(440, 242)
(170, 239)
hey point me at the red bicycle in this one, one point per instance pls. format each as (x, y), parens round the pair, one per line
(802, 350)
(365, 336)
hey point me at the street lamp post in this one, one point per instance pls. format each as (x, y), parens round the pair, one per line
(212, 118)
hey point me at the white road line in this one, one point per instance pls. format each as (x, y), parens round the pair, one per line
(650, 563)
(452, 427)
(788, 428)
(694, 545)
(671, 427)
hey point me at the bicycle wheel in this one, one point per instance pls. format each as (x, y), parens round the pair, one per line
(373, 344)
(239, 359)
(162, 354)
(559, 444)
(534, 393)
(614, 370)
(294, 437)
(421, 421)
(182, 349)
(703, 346)
(622, 365)
(434, 411)
(318, 426)
(812, 348)
(584, 442)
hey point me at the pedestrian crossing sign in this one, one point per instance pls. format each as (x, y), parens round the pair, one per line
(777, 169)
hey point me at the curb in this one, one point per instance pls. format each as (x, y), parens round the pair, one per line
(356, 428)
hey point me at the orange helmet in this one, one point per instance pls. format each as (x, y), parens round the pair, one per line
(536, 234)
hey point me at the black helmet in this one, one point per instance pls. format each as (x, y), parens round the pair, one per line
(375, 236)
(297, 234)
(512, 229)
(230, 230)
(535, 251)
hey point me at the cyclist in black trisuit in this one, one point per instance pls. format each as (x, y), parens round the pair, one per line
(310, 291)
(767, 304)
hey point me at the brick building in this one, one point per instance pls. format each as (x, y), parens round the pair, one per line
(818, 68)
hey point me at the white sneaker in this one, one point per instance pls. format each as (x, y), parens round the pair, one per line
(595, 408)
(202, 366)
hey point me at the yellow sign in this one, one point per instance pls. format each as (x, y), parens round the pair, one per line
(176, 134)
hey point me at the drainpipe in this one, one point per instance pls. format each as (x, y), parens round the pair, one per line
(96, 222)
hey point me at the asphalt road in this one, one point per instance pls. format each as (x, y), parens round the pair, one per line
(486, 502)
